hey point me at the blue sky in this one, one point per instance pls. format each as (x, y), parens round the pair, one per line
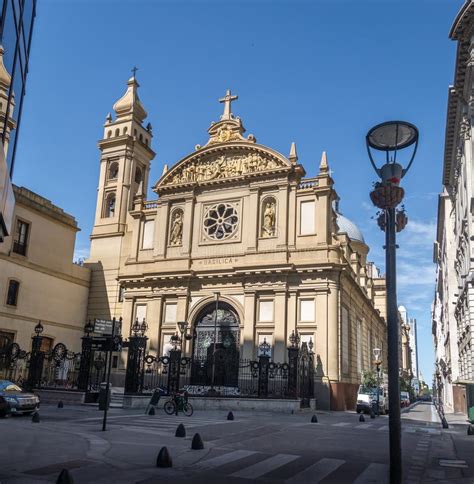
(319, 73)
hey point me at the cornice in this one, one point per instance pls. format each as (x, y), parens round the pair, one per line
(44, 270)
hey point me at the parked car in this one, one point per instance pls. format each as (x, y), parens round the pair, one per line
(14, 400)
(404, 399)
(367, 399)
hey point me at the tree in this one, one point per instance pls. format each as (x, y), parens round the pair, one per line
(369, 378)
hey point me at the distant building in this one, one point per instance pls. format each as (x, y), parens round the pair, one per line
(16, 27)
(38, 280)
(453, 311)
(409, 361)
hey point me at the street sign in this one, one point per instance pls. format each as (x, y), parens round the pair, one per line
(106, 327)
(101, 343)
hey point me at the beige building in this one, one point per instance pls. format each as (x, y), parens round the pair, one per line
(453, 309)
(38, 280)
(237, 218)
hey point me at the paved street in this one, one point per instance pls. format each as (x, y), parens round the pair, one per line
(254, 447)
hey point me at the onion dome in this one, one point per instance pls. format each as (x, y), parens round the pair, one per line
(129, 105)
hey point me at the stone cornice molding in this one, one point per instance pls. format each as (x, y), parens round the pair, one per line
(21, 261)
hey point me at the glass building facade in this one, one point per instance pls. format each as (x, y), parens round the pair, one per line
(16, 27)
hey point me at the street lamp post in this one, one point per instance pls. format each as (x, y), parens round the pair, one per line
(391, 137)
(377, 362)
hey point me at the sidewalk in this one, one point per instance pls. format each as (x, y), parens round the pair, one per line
(456, 418)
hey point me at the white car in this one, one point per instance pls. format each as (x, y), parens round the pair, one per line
(367, 399)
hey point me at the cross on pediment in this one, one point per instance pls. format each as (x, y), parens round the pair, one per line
(227, 100)
(134, 71)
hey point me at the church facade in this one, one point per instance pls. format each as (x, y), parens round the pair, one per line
(236, 226)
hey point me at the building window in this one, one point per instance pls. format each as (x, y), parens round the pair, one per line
(170, 312)
(307, 218)
(140, 312)
(110, 205)
(166, 345)
(148, 229)
(113, 171)
(121, 293)
(265, 311)
(12, 294)
(307, 310)
(20, 241)
(6, 339)
(138, 175)
(221, 221)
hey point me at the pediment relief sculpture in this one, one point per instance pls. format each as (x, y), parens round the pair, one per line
(222, 167)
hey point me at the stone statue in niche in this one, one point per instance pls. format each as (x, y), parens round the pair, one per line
(268, 226)
(176, 233)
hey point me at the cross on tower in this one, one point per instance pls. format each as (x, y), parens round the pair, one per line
(134, 71)
(227, 100)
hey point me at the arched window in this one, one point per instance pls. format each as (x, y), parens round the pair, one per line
(138, 175)
(146, 141)
(134, 132)
(125, 130)
(109, 133)
(141, 137)
(117, 132)
(113, 171)
(110, 205)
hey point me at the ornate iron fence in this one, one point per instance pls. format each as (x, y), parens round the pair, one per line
(260, 378)
(60, 368)
(14, 364)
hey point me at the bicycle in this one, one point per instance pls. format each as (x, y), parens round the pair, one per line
(178, 403)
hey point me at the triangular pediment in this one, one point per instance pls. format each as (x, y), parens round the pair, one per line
(224, 162)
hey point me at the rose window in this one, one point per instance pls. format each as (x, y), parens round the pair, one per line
(220, 221)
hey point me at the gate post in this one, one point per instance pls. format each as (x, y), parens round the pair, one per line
(35, 370)
(263, 363)
(293, 351)
(135, 373)
(86, 359)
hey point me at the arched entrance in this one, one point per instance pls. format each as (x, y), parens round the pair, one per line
(216, 346)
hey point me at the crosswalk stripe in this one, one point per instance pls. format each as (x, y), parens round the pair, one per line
(363, 426)
(374, 473)
(317, 472)
(341, 424)
(385, 427)
(223, 459)
(265, 466)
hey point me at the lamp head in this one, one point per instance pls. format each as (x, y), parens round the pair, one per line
(39, 328)
(390, 137)
(377, 352)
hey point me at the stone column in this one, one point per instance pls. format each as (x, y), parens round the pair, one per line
(248, 334)
(292, 217)
(333, 353)
(188, 225)
(279, 334)
(282, 217)
(161, 230)
(154, 323)
(252, 213)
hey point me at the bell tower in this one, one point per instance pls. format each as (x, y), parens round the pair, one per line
(125, 156)
(124, 164)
